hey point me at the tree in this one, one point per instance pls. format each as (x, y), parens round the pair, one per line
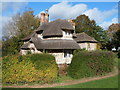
(112, 29)
(84, 24)
(116, 39)
(20, 26)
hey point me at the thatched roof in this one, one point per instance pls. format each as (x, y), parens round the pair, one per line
(83, 37)
(74, 35)
(33, 34)
(42, 27)
(65, 25)
(56, 44)
(36, 40)
(55, 28)
(25, 46)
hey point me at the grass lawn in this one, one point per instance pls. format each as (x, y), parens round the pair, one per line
(111, 82)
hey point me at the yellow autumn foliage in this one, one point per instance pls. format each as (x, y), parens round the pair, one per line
(29, 70)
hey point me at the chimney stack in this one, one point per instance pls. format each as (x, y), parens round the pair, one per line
(46, 16)
(73, 24)
(42, 18)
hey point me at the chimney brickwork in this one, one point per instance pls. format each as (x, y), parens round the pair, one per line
(44, 17)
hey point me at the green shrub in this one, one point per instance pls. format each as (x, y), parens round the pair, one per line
(119, 54)
(29, 68)
(88, 64)
(78, 50)
(118, 60)
(29, 52)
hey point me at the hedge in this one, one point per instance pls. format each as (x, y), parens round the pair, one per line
(29, 68)
(119, 54)
(88, 64)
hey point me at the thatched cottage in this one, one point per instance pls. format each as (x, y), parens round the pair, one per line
(86, 42)
(57, 38)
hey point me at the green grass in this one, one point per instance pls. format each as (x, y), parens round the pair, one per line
(111, 82)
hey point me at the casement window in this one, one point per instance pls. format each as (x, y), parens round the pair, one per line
(67, 53)
(67, 32)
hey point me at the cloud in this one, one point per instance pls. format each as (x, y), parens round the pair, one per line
(64, 10)
(106, 24)
(0, 20)
(8, 10)
(3, 21)
(99, 16)
(12, 6)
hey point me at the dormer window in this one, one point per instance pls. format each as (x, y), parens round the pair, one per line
(30, 41)
(67, 32)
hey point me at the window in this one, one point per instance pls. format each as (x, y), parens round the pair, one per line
(67, 53)
(67, 32)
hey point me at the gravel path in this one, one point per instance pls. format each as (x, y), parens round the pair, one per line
(71, 82)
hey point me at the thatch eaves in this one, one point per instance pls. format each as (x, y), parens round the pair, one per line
(74, 35)
(28, 37)
(65, 25)
(55, 28)
(42, 27)
(56, 44)
(83, 37)
(25, 46)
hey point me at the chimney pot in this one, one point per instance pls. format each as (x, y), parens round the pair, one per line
(46, 16)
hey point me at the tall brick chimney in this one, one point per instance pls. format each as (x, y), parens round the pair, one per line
(46, 16)
(42, 18)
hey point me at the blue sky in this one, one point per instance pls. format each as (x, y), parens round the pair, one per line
(102, 6)
(104, 13)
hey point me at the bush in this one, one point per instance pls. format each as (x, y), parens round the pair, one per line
(119, 54)
(78, 50)
(29, 68)
(88, 64)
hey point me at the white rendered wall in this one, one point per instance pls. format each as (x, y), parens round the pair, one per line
(26, 42)
(88, 46)
(24, 52)
(40, 36)
(32, 49)
(66, 36)
(53, 38)
(93, 46)
(83, 45)
(60, 59)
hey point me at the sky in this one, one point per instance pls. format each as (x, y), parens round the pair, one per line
(104, 13)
